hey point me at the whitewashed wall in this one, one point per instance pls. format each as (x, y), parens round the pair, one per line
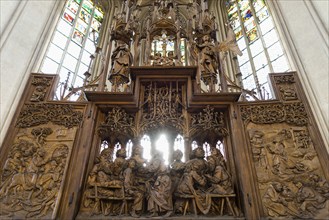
(23, 29)
(304, 25)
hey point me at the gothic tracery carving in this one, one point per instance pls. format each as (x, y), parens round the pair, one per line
(162, 107)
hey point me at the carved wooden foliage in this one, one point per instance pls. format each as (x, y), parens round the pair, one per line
(208, 120)
(117, 122)
(39, 114)
(291, 113)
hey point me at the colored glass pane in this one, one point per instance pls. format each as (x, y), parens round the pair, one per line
(246, 15)
(238, 32)
(258, 4)
(98, 15)
(85, 16)
(73, 6)
(68, 16)
(262, 15)
(81, 26)
(87, 6)
(96, 25)
(252, 35)
(233, 17)
(243, 4)
(250, 25)
(78, 37)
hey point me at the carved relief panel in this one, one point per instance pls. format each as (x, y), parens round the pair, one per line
(291, 181)
(33, 174)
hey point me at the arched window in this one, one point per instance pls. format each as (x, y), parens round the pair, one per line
(129, 149)
(74, 42)
(179, 145)
(146, 144)
(258, 40)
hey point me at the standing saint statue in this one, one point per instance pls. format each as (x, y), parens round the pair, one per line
(208, 62)
(121, 61)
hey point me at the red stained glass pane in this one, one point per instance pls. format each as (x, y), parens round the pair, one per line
(78, 37)
(68, 16)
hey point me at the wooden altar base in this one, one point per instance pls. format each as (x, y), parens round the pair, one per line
(181, 217)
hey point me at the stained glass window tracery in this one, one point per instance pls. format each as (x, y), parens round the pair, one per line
(259, 42)
(73, 42)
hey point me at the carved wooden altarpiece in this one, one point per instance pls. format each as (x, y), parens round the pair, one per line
(274, 164)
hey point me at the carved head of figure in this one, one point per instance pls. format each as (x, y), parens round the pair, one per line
(177, 155)
(277, 186)
(121, 153)
(206, 38)
(171, 54)
(199, 153)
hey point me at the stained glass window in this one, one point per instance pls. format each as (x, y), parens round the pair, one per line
(259, 42)
(73, 42)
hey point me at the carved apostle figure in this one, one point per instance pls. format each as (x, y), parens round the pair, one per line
(160, 197)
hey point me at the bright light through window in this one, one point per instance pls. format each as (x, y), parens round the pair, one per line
(146, 144)
(162, 145)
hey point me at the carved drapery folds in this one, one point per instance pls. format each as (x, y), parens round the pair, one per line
(39, 114)
(290, 178)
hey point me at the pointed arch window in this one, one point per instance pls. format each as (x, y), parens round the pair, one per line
(259, 42)
(74, 41)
